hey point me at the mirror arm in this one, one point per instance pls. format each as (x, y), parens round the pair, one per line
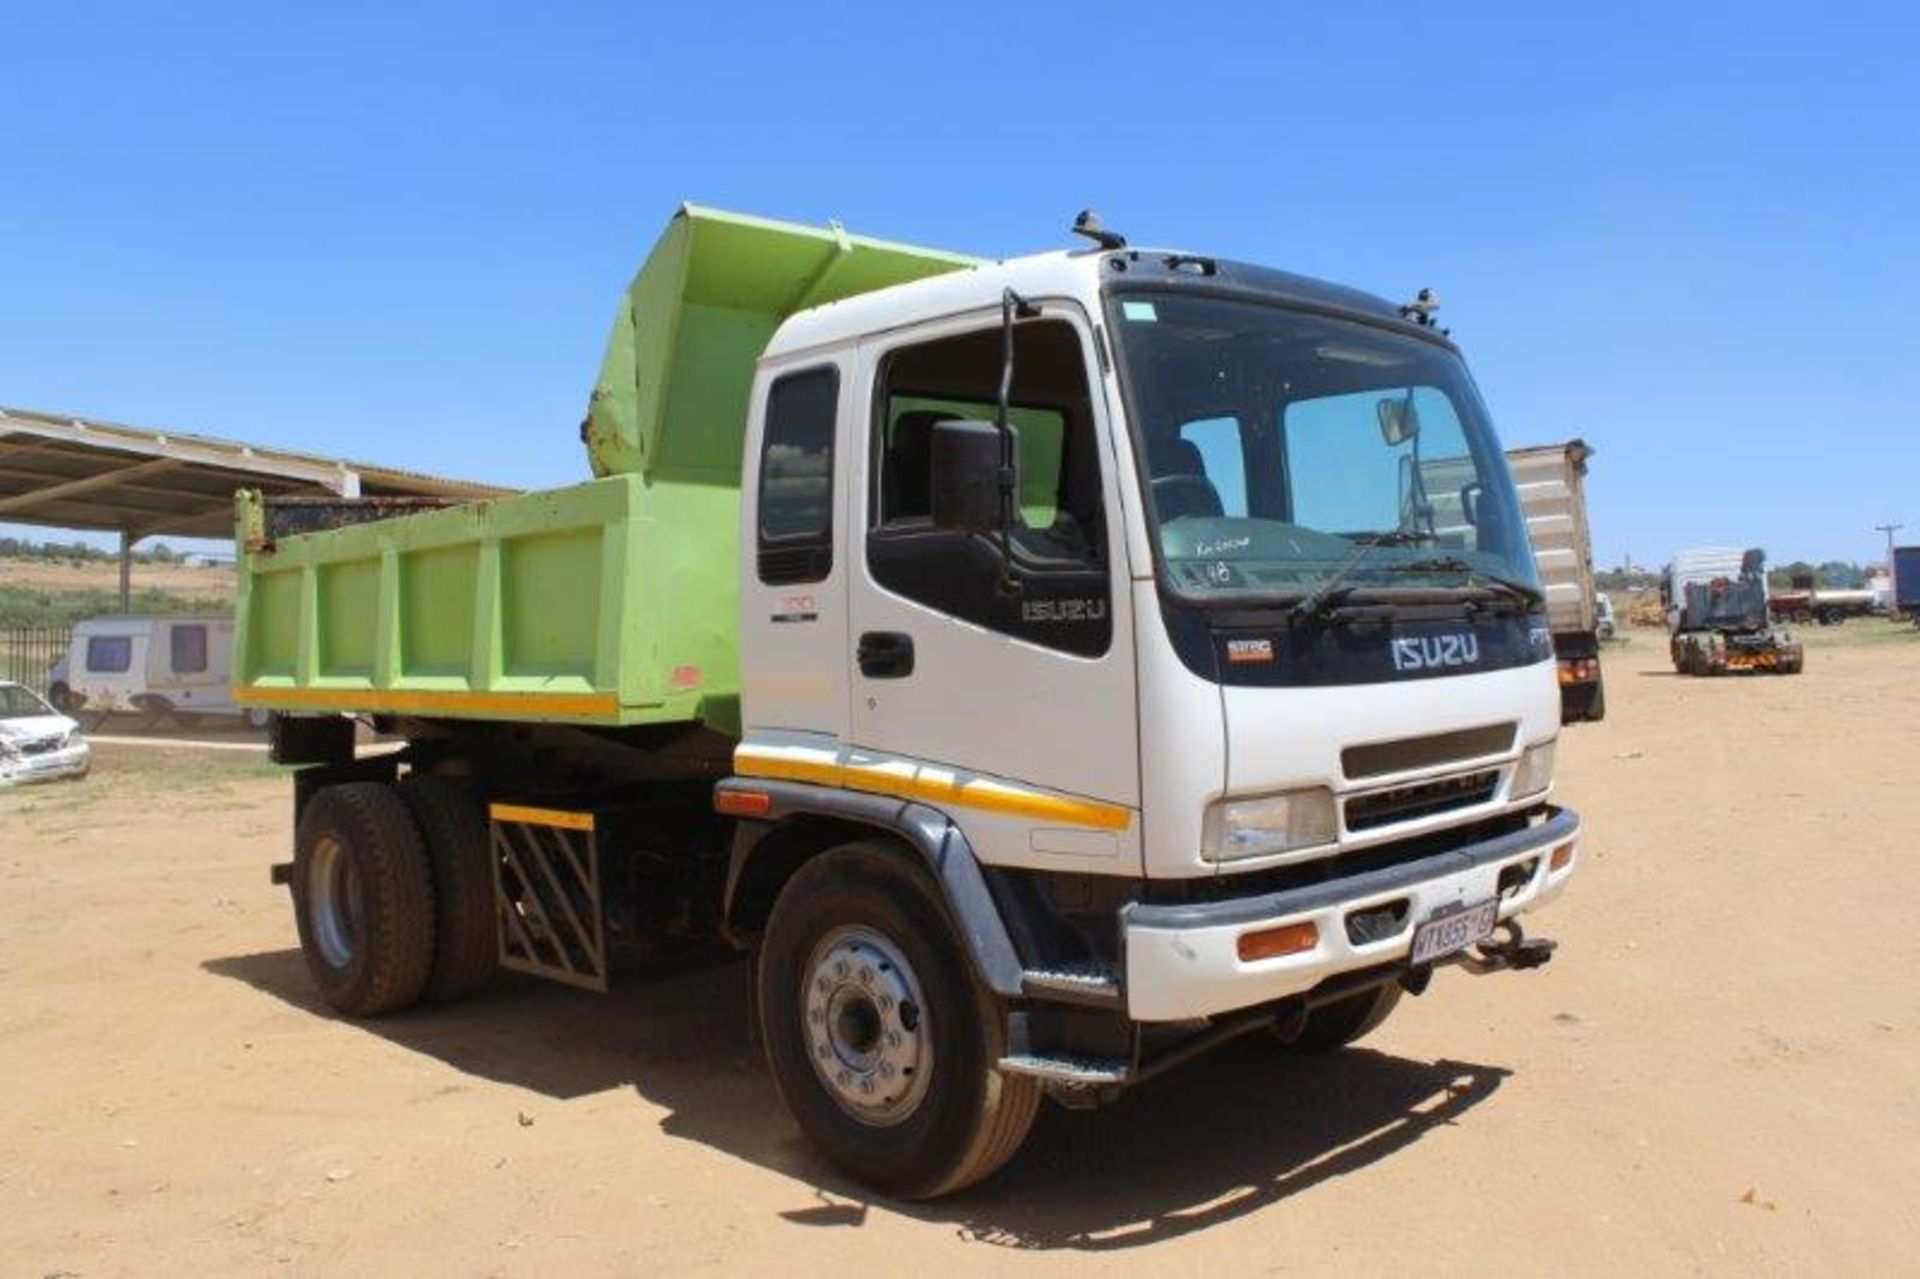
(1011, 305)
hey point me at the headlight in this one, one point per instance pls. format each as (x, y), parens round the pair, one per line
(1535, 772)
(1239, 828)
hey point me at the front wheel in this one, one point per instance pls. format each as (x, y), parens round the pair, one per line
(881, 1040)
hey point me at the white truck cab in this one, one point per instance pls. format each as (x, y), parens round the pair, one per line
(1239, 683)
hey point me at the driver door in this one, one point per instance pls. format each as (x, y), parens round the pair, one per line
(1001, 692)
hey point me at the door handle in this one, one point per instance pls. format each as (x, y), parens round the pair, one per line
(885, 655)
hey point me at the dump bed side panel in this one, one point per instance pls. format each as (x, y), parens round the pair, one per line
(560, 606)
(1550, 481)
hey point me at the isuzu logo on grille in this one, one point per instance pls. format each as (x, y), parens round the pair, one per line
(1434, 652)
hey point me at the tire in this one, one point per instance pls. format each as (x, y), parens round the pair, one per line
(459, 848)
(257, 718)
(1339, 1023)
(363, 899)
(60, 697)
(914, 1104)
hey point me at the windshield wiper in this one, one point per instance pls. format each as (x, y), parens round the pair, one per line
(1454, 564)
(1330, 586)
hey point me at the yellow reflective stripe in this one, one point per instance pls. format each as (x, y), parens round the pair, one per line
(426, 701)
(540, 816)
(902, 781)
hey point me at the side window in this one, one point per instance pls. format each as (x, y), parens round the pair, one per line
(1058, 542)
(189, 649)
(1040, 434)
(796, 478)
(1222, 459)
(109, 654)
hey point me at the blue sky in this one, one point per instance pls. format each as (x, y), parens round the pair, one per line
(398, 232)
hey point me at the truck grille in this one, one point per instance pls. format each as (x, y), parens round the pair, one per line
(1408, 753)
(1405, 803)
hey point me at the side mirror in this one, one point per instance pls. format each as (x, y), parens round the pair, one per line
(1470, 503)
(1399, 420)
(966, 470)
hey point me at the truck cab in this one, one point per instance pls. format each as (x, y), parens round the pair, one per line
(1230, 654)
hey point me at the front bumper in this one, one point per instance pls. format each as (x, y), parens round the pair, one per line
(71, 760)
(1183, 961)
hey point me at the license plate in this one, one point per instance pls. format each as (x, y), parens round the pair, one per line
(1445, 934)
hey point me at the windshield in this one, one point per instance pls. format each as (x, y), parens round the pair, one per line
(1282, 445)
(17, 702)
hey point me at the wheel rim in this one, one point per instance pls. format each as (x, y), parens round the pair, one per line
(866, 1026)
(333, 901)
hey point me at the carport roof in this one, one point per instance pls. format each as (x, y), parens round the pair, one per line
(69, 472)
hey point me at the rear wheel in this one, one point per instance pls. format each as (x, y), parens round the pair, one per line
(1341, 1022)
(363, 899)
(881, 1041)
(60, 697)
(454, 830)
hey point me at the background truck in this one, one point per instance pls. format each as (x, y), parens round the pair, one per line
(1807, 601)
(1717, 615)
(1906, 582)
(1552, 484)
(1047, 669)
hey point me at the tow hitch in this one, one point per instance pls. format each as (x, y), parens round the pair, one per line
(1514, 949)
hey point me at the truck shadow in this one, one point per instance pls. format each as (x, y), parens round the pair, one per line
(1237, 1131)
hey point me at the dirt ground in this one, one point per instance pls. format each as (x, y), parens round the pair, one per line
(1719, 1073)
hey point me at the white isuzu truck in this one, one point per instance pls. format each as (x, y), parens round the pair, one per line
(1045, 668)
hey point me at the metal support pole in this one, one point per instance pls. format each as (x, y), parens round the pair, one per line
(126, 571)
(1890, 530)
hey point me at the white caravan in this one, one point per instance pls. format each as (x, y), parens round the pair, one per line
(151, 666)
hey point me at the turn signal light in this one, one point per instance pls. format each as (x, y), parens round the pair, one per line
(1272, 943)
(1562, 857)
(742, 803)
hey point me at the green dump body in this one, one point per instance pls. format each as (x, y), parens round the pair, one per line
(611, 602)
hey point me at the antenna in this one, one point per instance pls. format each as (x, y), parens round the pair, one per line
(1088, 224)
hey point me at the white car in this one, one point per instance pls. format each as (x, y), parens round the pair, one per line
(37, 743)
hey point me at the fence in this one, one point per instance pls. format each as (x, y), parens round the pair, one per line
(27, 651)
